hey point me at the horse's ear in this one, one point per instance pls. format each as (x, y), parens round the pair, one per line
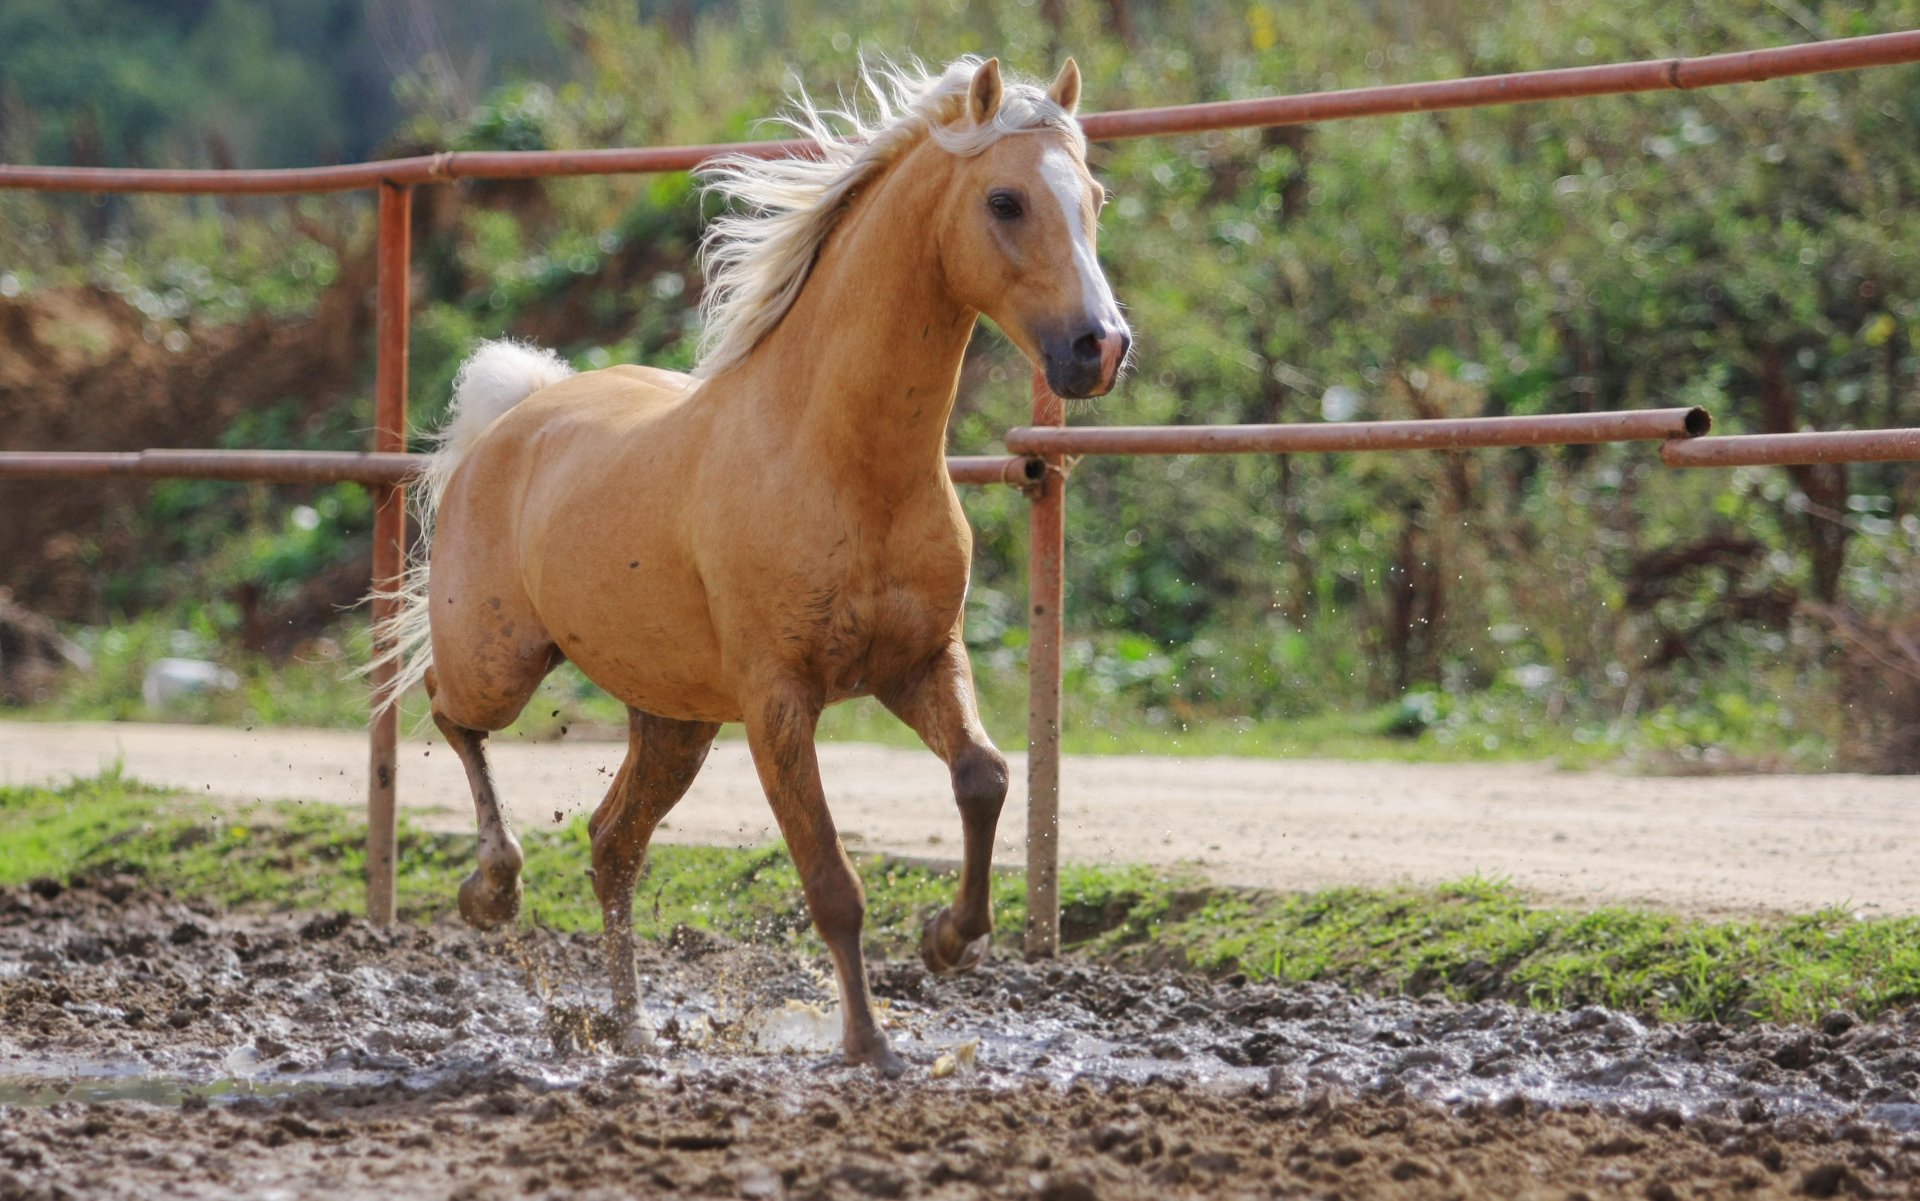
(983, 95)
(1065, 88)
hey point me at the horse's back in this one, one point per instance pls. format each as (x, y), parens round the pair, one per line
(612, 394)
(659, 378)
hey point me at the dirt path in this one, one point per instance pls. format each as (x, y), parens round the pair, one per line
(1721, 845)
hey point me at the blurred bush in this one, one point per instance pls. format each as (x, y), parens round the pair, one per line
(1750, 249)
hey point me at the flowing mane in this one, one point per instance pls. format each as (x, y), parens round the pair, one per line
(757, 257)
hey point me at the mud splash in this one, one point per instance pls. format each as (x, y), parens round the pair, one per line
(130, 1012)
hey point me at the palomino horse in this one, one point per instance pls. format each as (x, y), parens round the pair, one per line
(776, 532)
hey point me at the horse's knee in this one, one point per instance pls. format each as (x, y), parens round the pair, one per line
(614, 877)
(980, 782)
(607, 851)
(837, 903)
(616, 850)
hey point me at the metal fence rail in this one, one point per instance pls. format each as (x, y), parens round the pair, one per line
(1761, 450)
(1523, 87)
(1041, 452)
(374, 469)
(1444, 433)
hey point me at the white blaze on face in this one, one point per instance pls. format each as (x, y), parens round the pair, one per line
(1062, 176)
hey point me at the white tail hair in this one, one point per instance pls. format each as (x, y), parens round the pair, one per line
(496, 377)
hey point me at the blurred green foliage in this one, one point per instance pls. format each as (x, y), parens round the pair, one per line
(265, 83)
(1752, 249)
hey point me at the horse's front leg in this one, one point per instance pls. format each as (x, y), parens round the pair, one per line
(780, 728)
(938, 703)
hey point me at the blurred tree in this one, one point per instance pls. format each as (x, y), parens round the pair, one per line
(244, 82)
(1747, 248)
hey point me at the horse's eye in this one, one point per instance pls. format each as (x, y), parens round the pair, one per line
(1004, 205)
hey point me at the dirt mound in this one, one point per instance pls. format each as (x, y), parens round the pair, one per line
(82, 369)
(1879, 687)
(32, 654)
(85, 370)
(153, 1048)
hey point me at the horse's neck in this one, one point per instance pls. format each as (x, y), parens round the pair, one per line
(866, 363)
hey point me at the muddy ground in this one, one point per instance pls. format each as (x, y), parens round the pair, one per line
(149, 1048)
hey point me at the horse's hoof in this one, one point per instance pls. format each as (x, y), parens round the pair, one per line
(637, 1035)
(942, 950)
(487, 905)
(881, 1059)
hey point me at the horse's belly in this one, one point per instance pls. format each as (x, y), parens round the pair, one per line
(655, 672)
(662, 684)
(640, 630)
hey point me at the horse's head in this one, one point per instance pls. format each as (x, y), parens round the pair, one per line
(1016, 234)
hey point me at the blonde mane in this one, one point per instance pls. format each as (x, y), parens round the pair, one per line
(757, 257)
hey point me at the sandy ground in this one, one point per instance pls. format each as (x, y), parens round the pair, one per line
(1716, 846)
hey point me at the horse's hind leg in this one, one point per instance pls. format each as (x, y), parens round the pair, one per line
(490, 895)
(939, 705)
(663, 757)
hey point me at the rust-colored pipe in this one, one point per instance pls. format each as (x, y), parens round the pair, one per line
(389, 536)
(1762, 450)
(1046, 583)
(1749, 66)
(255, 466)
(1840, 54)
(421, 169)
(337, 466)
(1446, 433)
(1017, 470)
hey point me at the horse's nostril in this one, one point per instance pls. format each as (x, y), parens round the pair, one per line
(1086, 350)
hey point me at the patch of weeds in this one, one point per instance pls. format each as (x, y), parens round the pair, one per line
(1480, 939)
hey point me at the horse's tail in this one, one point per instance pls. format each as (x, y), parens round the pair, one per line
(496, 377)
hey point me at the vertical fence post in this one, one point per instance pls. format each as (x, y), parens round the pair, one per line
(1046, 550)
(389, 530)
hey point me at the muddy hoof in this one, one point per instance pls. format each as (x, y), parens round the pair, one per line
(882, 1059)
(487, 904)
(943, 950)
(637, 1035)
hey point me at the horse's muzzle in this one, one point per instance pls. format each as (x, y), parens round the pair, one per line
(1087, 363)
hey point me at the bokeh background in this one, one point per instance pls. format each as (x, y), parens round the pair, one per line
(1751, 249)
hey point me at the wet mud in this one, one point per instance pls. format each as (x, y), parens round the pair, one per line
(149, 1048)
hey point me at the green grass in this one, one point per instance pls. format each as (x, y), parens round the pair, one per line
(1478, 938)
(1473, 939)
